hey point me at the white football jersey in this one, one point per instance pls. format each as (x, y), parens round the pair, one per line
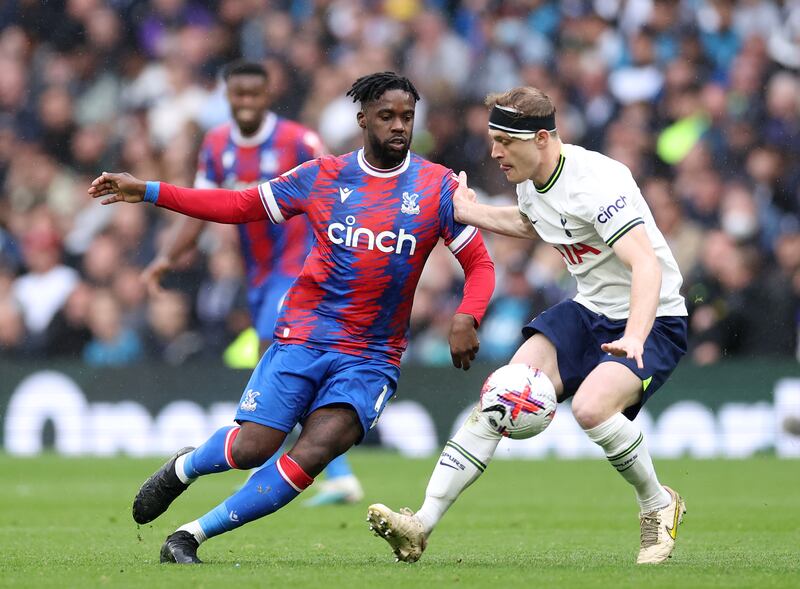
(589, 203)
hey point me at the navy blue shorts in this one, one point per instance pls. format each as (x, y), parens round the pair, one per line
(576, 332)
(291, 381)
(265, 303)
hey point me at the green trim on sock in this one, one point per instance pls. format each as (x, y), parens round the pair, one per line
(477, 463)
(630, 449)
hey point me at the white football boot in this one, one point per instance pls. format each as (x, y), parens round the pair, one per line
(344, 490)
(403, 531)
(659, 529)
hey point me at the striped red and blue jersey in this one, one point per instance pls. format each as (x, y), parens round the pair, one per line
(374, 231)
(229, 160)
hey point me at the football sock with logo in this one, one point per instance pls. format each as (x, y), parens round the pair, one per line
(624, 445)
(462, 461)
(213, 456)
(265, 492)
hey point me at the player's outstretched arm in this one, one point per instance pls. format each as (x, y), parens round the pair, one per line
(222, 206)
(503, 220)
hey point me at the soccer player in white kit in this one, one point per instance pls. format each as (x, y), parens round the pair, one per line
(610, 348)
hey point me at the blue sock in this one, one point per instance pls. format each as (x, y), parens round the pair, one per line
(266, 492)
(338, 467)
(214, 455)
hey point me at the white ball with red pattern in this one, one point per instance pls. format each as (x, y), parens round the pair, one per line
(518, 401)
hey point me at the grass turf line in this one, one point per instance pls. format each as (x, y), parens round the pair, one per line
(66, 523)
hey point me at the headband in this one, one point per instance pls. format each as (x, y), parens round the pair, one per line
(503, 118)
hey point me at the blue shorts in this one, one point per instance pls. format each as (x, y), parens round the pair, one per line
(265, 301)
(291, 381)
(576, 332)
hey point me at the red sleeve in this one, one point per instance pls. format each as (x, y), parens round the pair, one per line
(222, 206)
(478, 278)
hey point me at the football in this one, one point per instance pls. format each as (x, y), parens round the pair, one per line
(518, 401)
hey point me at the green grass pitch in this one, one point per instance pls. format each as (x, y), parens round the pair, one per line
(554, 523)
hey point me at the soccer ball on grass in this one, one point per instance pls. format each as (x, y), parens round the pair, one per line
(518, 401)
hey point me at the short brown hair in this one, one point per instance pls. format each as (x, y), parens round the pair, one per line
(529, 101)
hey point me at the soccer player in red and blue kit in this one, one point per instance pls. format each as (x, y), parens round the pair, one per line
(377, 213)
(255, 147)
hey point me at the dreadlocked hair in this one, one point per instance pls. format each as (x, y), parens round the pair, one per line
(371, 87)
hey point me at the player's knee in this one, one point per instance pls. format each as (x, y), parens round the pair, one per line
(315, 449)
(587, 411)
(250, 451)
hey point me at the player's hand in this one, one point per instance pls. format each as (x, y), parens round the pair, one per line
(464, 342)
(463, 197)
(120, 187)
(153, 274)
(626, 347)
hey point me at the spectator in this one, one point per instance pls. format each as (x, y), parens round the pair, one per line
(12, 330)
(699, 99)
(221, 301)
(68, 332)
(42, 291)
(112, 343)
(169, 337)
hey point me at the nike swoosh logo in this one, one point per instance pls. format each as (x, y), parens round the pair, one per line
(448, 465)
(673, 531)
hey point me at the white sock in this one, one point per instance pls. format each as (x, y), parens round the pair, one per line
(624, 445)
(195, 530)
(181, 472)
(463, 460)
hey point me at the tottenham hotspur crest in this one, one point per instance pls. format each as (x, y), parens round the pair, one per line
(410, 206)
(249, 402)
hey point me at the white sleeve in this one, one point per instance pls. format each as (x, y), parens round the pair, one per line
(612, 211)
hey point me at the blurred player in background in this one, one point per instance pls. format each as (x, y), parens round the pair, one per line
(258, 146)
(377, 213)
(610, 348)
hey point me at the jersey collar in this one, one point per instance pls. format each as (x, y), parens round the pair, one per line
(380, 173)
(264, 132)
(553, 177)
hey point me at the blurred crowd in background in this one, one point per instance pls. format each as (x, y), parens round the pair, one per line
(701, 99)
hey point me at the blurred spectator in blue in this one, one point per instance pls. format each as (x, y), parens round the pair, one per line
(500, 331)
(720, 40)
(112, 343)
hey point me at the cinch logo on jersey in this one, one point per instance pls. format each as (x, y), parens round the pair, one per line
(362, 237)
(607, 212)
